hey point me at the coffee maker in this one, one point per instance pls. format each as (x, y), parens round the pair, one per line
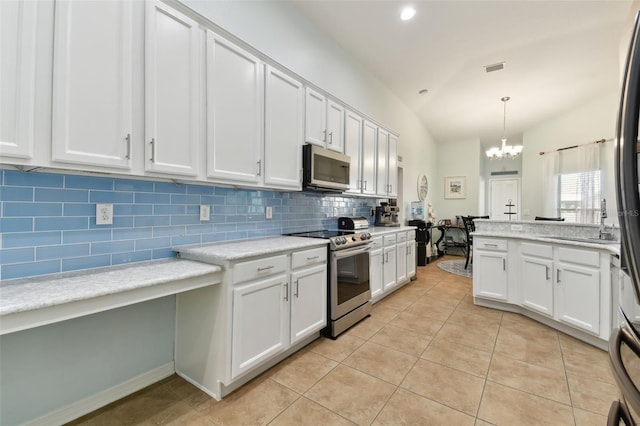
(387, 214)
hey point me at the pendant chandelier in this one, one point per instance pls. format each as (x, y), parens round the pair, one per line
(506, 151)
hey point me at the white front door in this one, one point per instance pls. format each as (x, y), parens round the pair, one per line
(500, 192)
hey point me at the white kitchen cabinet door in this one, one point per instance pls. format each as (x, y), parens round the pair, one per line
(389, 268)
(392, 166)
(92, 83)
(401, 262)
(376, 260)
(315, 118)
(353, 148)
(536, 284)
(335, 126)
(490, 275)
(382, 163)
(260, 322)
(284, 130)
(578, 296)
(308, 302)
(411, 258)
(369, 157)
(234, 112)
(18, 29)
(172, 91)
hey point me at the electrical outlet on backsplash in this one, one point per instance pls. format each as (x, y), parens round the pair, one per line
(48, 220)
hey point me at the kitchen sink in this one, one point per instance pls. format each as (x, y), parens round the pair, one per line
(584, 240)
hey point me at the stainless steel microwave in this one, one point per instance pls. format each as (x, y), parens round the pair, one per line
(325, 170)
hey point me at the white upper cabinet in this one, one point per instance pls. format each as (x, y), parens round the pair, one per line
(315, 117)
(284, 130)
(353, 148)
(392, 166)
(234, 112)
(335, 126)
(17, 77)
(172, 91)
(382, 164)
(92, 83)
(324, 121)
(369, 144)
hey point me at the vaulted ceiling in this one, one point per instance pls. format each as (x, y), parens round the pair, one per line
(557, 54)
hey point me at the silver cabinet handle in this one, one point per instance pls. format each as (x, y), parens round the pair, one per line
(490, 245)
(128, 140)
(286, 291)
(331, 138)
(504, 264)
(259, 162)
(365, 185)
(295, 293)
(153, 150)
(546, 273)
(558, 275)
(324, 136)
(313, 257)
(265, 268)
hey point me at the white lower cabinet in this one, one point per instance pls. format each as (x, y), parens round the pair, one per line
(389, 260)
(490, 269)
(401, 258)
(578, 296)
(308, 290)
(536, 272)
(411, 256)
(259, 322)
(265, 309)
(376, 260)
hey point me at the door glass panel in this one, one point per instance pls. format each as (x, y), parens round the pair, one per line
(353, 276)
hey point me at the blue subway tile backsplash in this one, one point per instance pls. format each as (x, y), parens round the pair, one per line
(48, 221)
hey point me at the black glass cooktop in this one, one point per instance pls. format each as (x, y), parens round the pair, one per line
(324, 233)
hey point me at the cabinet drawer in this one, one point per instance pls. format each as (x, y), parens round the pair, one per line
(402, 237)
(309, 257)
(247, 271)
(538, 250)
(579, 256)
(389, 240)
(490, 244)
(376, 243)
(411, 235)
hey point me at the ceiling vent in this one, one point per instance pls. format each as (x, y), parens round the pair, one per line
(494, 67)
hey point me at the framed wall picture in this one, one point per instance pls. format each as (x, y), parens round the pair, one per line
(455, 187)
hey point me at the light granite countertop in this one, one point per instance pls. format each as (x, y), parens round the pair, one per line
(381, 230)
(28, 294)
(613, 246)
(219, 253)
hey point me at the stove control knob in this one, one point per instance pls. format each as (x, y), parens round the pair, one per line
(353, 238)
(365, 236)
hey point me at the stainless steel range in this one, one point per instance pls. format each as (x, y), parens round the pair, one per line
(349, 291)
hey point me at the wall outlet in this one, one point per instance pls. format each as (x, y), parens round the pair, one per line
(516, 227)
(335, 212)
(205, 212)
(353, 212)
(268, 212)
(104, 214)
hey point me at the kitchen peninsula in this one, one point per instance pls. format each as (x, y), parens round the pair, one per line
(556, 273)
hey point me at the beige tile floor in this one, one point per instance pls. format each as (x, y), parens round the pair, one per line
(426, 356)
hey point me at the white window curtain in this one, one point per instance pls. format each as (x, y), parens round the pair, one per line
(550, 173)
(588, 163)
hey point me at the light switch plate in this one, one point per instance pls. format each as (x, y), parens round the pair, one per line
(104, 214)
(205, 212)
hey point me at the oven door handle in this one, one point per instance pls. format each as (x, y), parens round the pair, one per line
(341, 254)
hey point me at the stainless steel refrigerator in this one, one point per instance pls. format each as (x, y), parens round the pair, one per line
(624, 344)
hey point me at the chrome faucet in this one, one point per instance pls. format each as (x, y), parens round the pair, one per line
(604, 234)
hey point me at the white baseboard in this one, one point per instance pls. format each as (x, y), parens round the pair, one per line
(107, 396)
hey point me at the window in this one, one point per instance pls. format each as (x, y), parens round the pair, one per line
(579, 196)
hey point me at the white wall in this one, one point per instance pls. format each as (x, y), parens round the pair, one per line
(591, 121)
(282, 32)
(459, 159)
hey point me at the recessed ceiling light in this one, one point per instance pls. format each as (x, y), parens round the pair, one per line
(407, 13)
(423, 92)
